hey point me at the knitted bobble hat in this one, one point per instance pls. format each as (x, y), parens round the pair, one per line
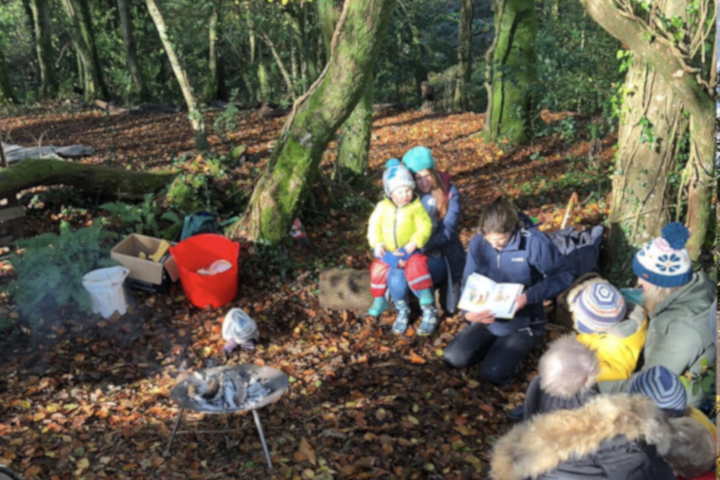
(597, 307)
(396, 175)
(663, 387)
(238, 328)
(418, 158)
(568, 369)
(664, 261)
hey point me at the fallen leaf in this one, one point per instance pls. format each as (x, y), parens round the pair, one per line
(307, 451)
(415, 358)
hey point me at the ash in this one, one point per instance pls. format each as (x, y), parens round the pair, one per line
(226, 391)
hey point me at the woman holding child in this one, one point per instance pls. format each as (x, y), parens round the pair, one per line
(505, 251)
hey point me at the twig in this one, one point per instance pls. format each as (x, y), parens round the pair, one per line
(573, 198)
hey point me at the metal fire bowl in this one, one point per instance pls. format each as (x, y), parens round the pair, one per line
(271, 378)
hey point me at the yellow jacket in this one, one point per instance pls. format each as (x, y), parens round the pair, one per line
(618, 349)
(701, 418)
(396, 227)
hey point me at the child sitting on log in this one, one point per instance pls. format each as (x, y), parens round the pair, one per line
(399, 226)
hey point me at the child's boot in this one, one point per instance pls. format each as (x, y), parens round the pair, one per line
(429, 321)
(426, 297)
(403, 317)
(378, 307)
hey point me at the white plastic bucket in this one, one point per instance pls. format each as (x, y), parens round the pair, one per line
(105, 286)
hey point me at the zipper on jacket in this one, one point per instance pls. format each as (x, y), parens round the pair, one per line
(397, 209)
(498, 260)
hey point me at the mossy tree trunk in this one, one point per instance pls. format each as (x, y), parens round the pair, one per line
(672, 65)
(6, 92)
(82, 34)
(651, 126)
(115, 182)
(131, 51)
(315, 118)
(195, 116)
(513, 71)
(43, 47)
(354, 147)
(464, 53)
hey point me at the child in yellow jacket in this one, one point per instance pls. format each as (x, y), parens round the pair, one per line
(615, 330)
(400, 226)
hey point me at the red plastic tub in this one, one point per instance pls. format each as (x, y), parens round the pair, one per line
(200, 251)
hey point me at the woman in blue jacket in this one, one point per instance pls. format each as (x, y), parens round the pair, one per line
(446, 256)
(507, 252)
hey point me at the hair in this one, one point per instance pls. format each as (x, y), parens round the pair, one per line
(500, 216)
(655, 295)
(439, 193)
(692, 448)
(568, 368)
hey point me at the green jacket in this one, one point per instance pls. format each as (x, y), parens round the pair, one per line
(678, 337)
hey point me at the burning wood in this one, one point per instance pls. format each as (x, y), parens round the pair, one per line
(226, 391)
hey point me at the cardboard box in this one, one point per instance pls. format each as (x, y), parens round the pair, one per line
(145, 274)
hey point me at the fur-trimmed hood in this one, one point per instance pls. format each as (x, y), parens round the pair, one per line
(541, 444)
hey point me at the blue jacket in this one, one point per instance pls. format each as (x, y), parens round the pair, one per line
(445, 238)
(530, 258)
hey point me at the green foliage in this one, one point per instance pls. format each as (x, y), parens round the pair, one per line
(49, 269)
(146, 218)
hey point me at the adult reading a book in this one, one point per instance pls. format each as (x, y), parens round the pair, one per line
(506, 252)
(441, 199)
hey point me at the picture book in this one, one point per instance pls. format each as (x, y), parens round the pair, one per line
(481, 294)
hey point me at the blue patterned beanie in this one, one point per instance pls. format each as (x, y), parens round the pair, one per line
(664, 261)
(597, 307)
(663, 387)
(396, 175)
(418, 158)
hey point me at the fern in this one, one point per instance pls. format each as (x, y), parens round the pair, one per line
(49, 269)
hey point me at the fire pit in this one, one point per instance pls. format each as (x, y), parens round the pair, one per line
(229, 389)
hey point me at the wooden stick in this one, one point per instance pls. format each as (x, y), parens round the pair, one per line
(573, 199)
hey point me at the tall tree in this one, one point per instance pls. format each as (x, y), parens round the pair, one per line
(314, 119)
(6, 92)
(131, 51)
(675, 52)
(78, 12)
(213, 89)
(513, 71)
(43, 47)
(197, 122)
(464, 73)
(354, 148)
(296, 16)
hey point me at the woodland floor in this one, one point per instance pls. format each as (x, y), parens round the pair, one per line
(88, 398)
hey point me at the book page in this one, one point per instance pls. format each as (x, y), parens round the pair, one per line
(476, 297)
(504, 299)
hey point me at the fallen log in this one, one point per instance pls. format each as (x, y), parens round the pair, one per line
(113, 182)
(345, 289)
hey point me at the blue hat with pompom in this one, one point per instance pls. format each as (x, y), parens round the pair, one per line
(664, 261)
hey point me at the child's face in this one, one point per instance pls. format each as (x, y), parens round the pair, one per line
(498, 240)
(401, 196)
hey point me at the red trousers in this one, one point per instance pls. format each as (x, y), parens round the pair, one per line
(416, 273)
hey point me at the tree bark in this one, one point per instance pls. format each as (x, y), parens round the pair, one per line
(354, 149)
(662, 55)
(211, 86)
(43, 47)
(84, 41)
(464, 73)
(297, 24)
(281, 66)
(316, 117)
(513, 71)
(6, 91)
(115, 182)
(131, 51)
(651, 111)
(196, 119)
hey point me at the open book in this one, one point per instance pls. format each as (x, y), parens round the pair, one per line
(482, 294)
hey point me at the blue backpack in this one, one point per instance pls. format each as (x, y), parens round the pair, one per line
(201, 223)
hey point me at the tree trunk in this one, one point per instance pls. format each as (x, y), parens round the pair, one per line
(115, 182)
(662, 56)
(211, 86)
(131, 51)
(464, 55)
(6, 91)
(43, 47)
(651, 127)
(354, 148)
(82, 36)
(263, 93)
(513, 71)
(196, 119)
(281, 66)
(297, 24)
(315, 118)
